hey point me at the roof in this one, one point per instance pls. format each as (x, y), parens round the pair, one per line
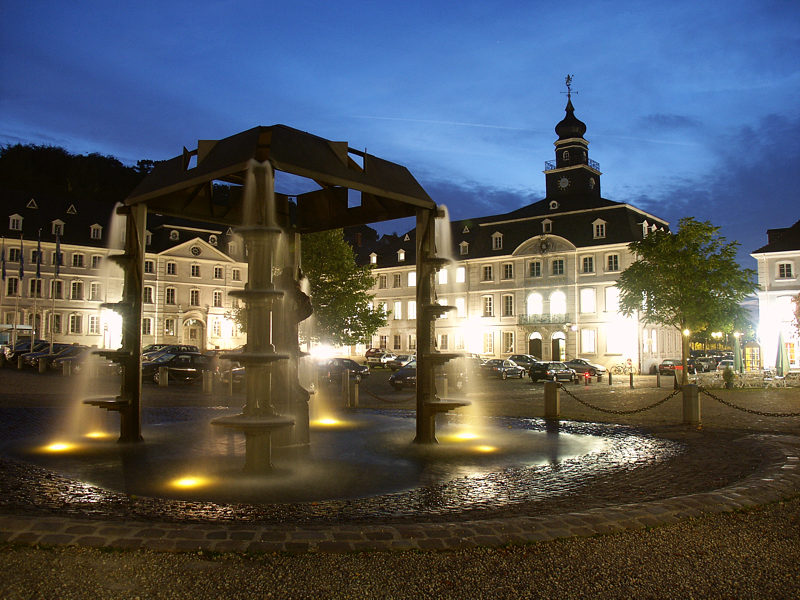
(781, 240)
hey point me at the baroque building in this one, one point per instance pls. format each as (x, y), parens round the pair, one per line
(189, 271)
(538, 280)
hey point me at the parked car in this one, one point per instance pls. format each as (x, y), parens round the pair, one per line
(705, 364)
(523, 360)
(553, 371)
(31, 359)
(333, 368)
(171, 349)
(582, 366)
(78, 359)
(668, 366)
(23, 347)
(181, 366)
(406, 377)
(379, 359)
(725, 364)
(399, 360)
(153, 347)
(372, 352)
(505, 369)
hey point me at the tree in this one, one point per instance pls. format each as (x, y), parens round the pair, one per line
(796, 301)
(339, 290)
(688, 280)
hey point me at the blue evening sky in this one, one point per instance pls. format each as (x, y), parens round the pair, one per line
(690, 107)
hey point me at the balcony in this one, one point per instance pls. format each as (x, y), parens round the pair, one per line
(543, 319)
(549, 165)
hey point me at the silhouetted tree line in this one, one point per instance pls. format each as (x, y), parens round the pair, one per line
(51, 170)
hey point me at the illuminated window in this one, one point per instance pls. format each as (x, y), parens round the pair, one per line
(588, 341)
(488, 343)
(412, 279)
(588, 300)
(461, 275)
(558, 303)
(461, 307)
(397, 313)
(612, 299)
(488, 306)
(535, 304)
(508, 342)
(94, 325)
(95, 291)
(497, 241)
(412, 309)
(463, 248)
(443, 277)
(401, 255)
(96, 232)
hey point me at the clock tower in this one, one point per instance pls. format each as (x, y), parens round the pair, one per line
(572, 174)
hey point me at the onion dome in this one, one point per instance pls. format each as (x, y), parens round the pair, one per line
(570, 126)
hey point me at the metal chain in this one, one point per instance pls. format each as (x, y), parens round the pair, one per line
(618, 412)
(747, 410)
(398, 401)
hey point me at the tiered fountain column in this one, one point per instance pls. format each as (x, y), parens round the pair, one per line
(261, 235)
(428, 263)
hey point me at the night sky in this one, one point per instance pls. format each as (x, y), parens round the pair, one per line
(690, 107)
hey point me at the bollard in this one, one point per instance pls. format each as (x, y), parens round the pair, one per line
(163, 376)
(20, 363)
(609, 378)
(230, 383)
(42, 366)
(354, 393)
(586, 378)
(658, 379)
(552, 400)
(631, 379)
(208, 382)
(66, 368)
(346, 387)
(691, 405)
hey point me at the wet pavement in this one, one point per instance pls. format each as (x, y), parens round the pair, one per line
(583, 479)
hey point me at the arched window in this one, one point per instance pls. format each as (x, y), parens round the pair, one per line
(535, 304)
(565, 155)
(558, 303)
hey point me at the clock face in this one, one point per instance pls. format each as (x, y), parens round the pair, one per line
(563, 183)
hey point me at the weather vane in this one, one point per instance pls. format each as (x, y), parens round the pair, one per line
(568, 81)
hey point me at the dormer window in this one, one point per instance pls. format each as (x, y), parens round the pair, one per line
(463, 248)
(599, 229)
(553, 205)
(212, 239)
(57, 227)
(15, 222)
(96, 232)
(547, 226)
(401, 255)
(645, 228)
(174, 235)
(373, 259)
(497, 241)
(148, 238)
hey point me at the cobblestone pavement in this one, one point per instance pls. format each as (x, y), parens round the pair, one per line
(713, 470)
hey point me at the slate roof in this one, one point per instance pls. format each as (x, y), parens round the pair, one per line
(781, 240)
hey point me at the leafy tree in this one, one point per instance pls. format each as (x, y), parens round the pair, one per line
(688, 280)
(339, 290)
(797, 314)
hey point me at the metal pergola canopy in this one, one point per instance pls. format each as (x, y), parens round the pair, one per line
(184, 186)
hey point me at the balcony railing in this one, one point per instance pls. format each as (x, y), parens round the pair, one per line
(549, 165)
(550, 318)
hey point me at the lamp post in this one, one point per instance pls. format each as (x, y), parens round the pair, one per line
(686, 335)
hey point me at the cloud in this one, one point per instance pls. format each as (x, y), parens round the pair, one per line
(667, 122)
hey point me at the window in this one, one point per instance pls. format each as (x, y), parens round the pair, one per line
(75, 323)
(169, 296)
(96, 232)
(535, 269)
(587, 264)
(174, 235)
(547, 224)
(508, 271)
(56, 289)
(216, 328)
(508, 305)
(461, 275)
(233, 248)
(212, 239)
(35, 288)
(147, 326)
(55, 323)
(98, 260)
(195, 270)
(397, 313)
(57, 227)
(443, 302)
(148, 238)
(169, 326)
(487, 273)
(588, 300)
(147, 296)
(172, 268)
(217, 299)
(401, 255)
(488, 342)
(57, 258)
(412, 341)
(443, 277)
(76, 290)
(35, 257)
(14, 254)
(373, 259)
(194, 297)
(612, 262)
(15, 223)
(412, 309)
(588, 341)
(599, 229)
(535, 304)
(444, 341)
(463, 248)
(497, 241)
(508, 342)
(383, 341)
(558, 266)
(396, 280)
(94, 291)
(412, 279)
(461, 307)
(558, 303)
(612, 299)
(77, 260)
(94, 325)
(236, 274)
(785, 271)
(396, 340)
(149, 266)
(654, 341)
(382, 282)
(459, 345)
(488, 306)
(219, 273)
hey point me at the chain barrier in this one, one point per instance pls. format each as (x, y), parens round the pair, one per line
(747, 410)
(618, 412)
(387, 400)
